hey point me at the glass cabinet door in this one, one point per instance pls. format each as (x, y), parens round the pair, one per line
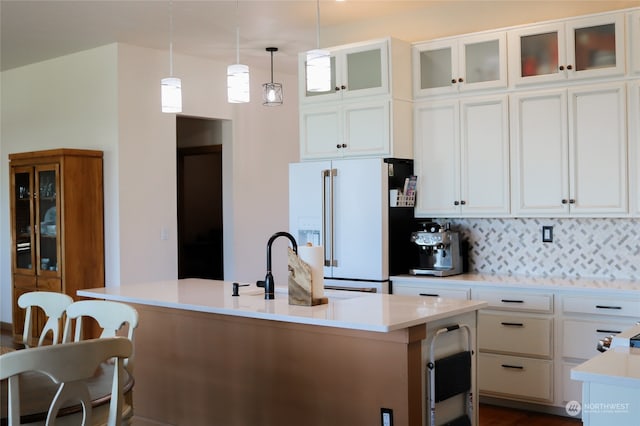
(363, 69)
(483, 61)
(47, 182)
(329, 93)
(537, 54)
(23, 225)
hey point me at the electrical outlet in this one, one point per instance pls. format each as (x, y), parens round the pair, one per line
(547, 234)
(386, 416)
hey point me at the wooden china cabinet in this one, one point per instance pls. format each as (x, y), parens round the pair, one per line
(57, 225)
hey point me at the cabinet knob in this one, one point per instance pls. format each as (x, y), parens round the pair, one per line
(343, 87)
(463, 202)
(561, 67)
(564, 201)
(460, 80)
(569, 67)
(572, 201)
(344, 145)
(453, 81)
(338, 146)
(337, 89)
(456, 203)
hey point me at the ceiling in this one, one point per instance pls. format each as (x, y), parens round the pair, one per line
(36, 30)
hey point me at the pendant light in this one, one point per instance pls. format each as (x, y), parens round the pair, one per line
(237, 74)
(171, 87)
(272, 92)
(318, 63)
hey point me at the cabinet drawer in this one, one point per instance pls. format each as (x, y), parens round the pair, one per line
(24, 281)
(581, 337)
(622, 306)
(520, 378)
(515, 335)
(515, 301)
(50, 284)
(447, 293)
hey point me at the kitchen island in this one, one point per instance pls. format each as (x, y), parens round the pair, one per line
(204, 356)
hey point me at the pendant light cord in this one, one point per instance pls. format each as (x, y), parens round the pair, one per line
(237, 34)
(318, 24)
(272, 67)
(170, 38)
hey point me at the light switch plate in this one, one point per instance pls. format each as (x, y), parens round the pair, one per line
(547, 234)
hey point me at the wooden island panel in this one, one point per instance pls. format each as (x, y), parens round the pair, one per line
(199, 368)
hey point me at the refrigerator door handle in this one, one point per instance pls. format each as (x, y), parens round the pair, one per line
(333, 261)
(325, 174)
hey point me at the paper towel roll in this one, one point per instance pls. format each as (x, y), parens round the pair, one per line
(314, 256)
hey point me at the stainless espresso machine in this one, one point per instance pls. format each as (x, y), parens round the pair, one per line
(439, 250)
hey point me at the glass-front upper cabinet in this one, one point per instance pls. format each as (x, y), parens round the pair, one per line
(580, 48)
(47, 184)
(22, 226)
(466, 63)
(356, 70)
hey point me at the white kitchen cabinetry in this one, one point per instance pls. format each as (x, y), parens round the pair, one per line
(371, 68)
(634, 42)
(369, 114)
(461, 154)
(569, 151)
(585, 320)
(460, 64)
(515, 343)
(378, 127)
(634, 143)
(578, 48)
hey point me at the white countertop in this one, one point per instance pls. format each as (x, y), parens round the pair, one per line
(552, 283)
(351, 310)
(618, 366)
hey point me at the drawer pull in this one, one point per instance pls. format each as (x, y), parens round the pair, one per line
(609, 331)
(514, 367)
(512, 324)
(430, 294)
(608, 307)
(511, 301)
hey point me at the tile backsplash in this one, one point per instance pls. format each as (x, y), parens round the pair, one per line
(592, 248)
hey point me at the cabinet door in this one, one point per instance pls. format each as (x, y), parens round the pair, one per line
(320, 132)
(536, 54)
(365, 70)
(598, 149)
(435, 67)
(48, 222)
(366, 128)
(539, 153)
(483, 61)
(595, 46)
(634, 42)
(484, 156)
(436, 158)
(634, 141)
(22, 225)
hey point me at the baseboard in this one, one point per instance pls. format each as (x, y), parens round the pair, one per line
(539, 408)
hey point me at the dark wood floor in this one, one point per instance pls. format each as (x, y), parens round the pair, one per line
(490, 415)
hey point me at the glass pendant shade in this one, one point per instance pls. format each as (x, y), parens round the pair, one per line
(171, 92)
(237, 83)
(318, 71)
(272, 94)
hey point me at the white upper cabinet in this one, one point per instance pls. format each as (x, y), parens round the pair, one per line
(461, 157)
(634, 142)
(458, 64)
(579, 48)
(569, 152)
(634, 42)
(369, 128)
(361, 69)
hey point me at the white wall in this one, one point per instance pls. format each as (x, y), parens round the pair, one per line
(109, 99)
(68, 102)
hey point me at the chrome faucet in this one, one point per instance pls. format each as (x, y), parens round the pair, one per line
(268, 283)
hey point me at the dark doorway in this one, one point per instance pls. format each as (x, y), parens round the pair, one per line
(200, 253)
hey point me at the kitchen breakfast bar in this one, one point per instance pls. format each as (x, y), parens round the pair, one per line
(205, 357)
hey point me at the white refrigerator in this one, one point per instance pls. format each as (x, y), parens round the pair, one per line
(343, 205)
